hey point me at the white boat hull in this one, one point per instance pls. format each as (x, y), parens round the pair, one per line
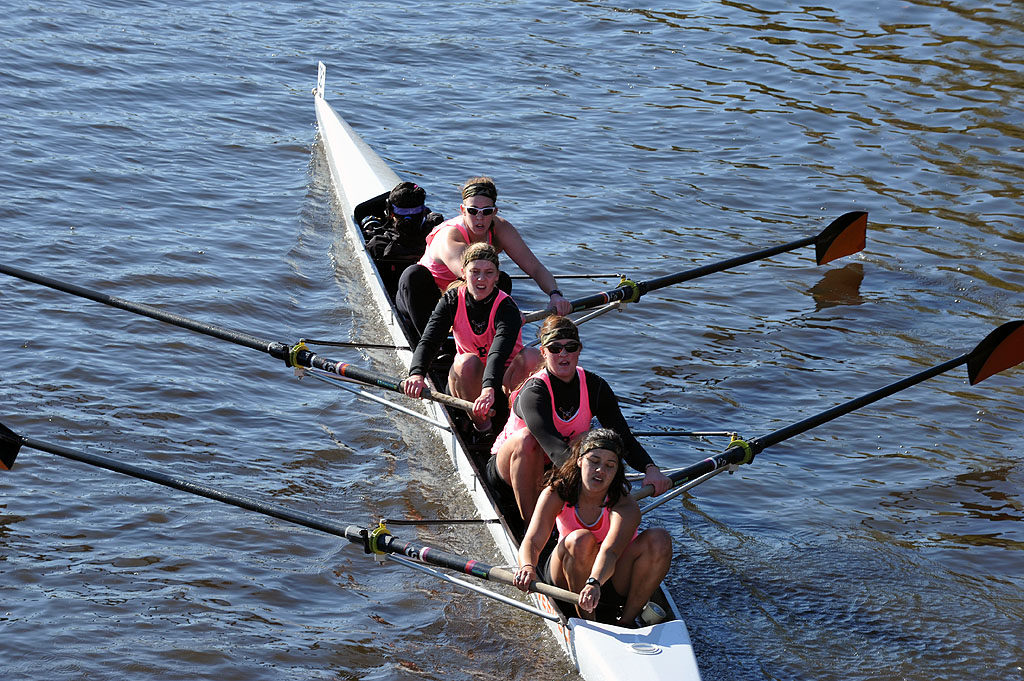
(600, 652)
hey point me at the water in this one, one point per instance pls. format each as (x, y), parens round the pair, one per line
(169, 156)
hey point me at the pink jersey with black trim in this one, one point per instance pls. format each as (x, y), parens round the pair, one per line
(479, 344)
(580, 421)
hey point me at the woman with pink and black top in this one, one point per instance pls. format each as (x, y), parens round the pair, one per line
(487, 326)
(600, 554)
(552, 406)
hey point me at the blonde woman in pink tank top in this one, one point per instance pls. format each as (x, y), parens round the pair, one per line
(478, 222)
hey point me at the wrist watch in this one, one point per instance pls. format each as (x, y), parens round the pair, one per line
(592, 581)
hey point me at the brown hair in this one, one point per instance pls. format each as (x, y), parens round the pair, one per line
(407, 195)
(567, 478)
(557, 328)
(480, 185)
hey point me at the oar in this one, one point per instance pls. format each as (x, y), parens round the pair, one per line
(1001, 349)
(846, 235)
(294, 355)
(372, 541)
(354, 344)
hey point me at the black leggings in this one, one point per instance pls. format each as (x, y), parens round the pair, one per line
(415, 300)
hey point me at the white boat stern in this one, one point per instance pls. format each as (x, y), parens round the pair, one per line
(605, 652)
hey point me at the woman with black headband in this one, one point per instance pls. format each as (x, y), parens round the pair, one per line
(600, 553)
(478, 221)
(487, 326)
(554, 405)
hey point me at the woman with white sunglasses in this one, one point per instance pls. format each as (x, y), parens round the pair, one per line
(478, 221)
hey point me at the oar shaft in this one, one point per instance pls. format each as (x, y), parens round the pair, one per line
(450, 561)
(386, 542)
(1001, 349)
(736, 453)
(789, 431)
(311, 359)
(712, 463)
(844, 236)
(680, 277)
(642, 287)
(277, 350)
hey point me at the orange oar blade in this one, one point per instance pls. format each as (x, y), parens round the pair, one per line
(1001, 349)
(845, 236)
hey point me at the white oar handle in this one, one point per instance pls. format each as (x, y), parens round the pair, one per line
(508, 577)
(447, 400)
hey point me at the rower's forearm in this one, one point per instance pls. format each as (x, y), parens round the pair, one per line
(546, 281)
(604, 566)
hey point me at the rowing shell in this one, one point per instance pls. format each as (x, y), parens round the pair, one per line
(601, 652)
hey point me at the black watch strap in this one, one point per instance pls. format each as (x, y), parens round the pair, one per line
(592, 581)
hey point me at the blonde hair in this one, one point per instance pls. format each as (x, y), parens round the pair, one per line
(478, 251)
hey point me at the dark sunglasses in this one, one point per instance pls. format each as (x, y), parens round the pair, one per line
(568, 346)
(486, 210)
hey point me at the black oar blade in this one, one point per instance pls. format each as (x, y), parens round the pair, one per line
(10, 445)
(1001, 349)
(845, 236)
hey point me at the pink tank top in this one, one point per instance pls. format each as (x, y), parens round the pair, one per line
(442, 275)
(579, 422)
(479, 344)
(567, 521)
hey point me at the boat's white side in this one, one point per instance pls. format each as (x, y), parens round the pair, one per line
(600, 652)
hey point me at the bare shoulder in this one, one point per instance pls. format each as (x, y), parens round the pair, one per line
(628, 509)
(454, 234)
(507, 238)
(504, 230)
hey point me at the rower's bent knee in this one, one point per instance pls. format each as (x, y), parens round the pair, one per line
(658, 543)
(467, 361)
(581, 543)
(523, 446)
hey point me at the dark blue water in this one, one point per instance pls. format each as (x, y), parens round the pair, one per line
(168, 155)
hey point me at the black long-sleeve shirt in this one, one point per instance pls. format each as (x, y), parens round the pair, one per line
(507, 323)
(534, 406)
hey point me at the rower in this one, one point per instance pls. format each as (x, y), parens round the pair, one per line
(421, 285)
(554, 405)
(600, 554)
(487, 326)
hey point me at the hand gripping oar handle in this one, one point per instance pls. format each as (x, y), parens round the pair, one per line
(372, 541)
(844, 236)
(296, 355)
(999, 350)
(733, 455)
